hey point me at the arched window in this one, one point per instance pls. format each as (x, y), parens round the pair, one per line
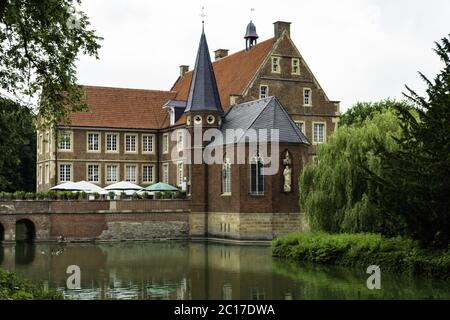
(256, 175)
(226, 176)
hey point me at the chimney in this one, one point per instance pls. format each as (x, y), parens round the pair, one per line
(221, 53)
(280, 27)
(183, 70)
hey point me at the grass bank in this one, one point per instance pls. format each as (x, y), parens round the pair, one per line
(362, 250)
(14, 288)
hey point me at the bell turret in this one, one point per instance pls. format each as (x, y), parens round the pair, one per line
(251, 36)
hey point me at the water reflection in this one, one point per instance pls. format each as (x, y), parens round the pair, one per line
(197, 270)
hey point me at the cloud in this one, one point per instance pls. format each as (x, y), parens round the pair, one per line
(358, 50)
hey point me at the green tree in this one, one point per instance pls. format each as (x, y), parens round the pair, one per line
(366, 110)
(416, 181)
(39, 44)
(335, 192)
(17, 147)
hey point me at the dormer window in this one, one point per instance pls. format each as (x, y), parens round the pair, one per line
(172, 116)
(198, 119)
(276, 65)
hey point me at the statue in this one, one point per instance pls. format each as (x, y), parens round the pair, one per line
(287, 179)
(287, 173)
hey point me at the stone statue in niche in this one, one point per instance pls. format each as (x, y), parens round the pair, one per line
(287, 173)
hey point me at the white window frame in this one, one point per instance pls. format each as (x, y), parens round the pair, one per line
(324, 132)
(180, 173)
(99, 142)
(309, 104)
(226, 177)
(117, 135)
(296, 63)
(47, 142)
(41, 143)
(260, 91)
(180, 140)
(258, 192)
(278, 64)
(61, 134)
(136, 175)
(303, 130)
(152, 139)
(165, 143)
(99, 175)
(117, 172)
(152, 180)
(136, 142)
(40, 175)
(70, 172)
(165, 171)
(47, 173)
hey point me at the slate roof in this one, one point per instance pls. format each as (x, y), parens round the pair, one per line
(233, 73)
(203, 92)
(265, 113)
(123, 108)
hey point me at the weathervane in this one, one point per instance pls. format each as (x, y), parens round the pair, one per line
(203, 15)
(252, 11)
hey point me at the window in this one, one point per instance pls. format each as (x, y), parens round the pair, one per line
(130, 143)
(65, 141)
(147, 143)
(93, 173)
(319, 132)
(180, 140)
(39, 174)
(276, 65)
(147, 173)
(165, 143)
(47, 173)
(165, 176)
(179, 173)
(131, 173)
(307, 99)
(263, 92)
(226, 177)
(65, 173)
(47, 142)
(93, 141)
(41, 144)
(112, 171)
(112, 142)
(301, 126)
(256, 176)
(296, 66)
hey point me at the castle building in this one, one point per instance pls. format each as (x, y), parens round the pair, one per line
(130, 135)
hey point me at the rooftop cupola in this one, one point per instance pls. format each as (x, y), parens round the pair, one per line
(251, 36)
(203, 92)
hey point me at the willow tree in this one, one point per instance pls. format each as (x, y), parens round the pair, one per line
(335, 191)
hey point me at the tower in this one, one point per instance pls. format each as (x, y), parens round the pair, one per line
(203, 111)
(251, 36)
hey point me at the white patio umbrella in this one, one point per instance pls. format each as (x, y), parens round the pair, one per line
(81, 186)
(123, 186)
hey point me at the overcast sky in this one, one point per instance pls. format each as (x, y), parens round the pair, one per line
(359, 50)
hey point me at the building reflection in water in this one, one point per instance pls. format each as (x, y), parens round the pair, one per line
(184, 271)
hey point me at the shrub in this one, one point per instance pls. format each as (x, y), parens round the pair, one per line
(123, 195)
(83, 195)
(12, 287)
(96, 195)
(146, 195)
(112, 195)
(19, 195)
(158, 195)
(361, 250)
(30, 196)
(136, 196)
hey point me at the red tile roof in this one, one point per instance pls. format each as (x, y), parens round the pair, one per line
(122, 108)
(142, 109)
(233, 73)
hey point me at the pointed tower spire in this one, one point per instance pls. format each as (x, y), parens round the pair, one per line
(203, 92)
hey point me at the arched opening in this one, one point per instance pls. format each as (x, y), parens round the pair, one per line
(25, 231)
(2, 233)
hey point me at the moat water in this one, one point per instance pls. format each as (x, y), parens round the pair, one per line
(200, 270)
